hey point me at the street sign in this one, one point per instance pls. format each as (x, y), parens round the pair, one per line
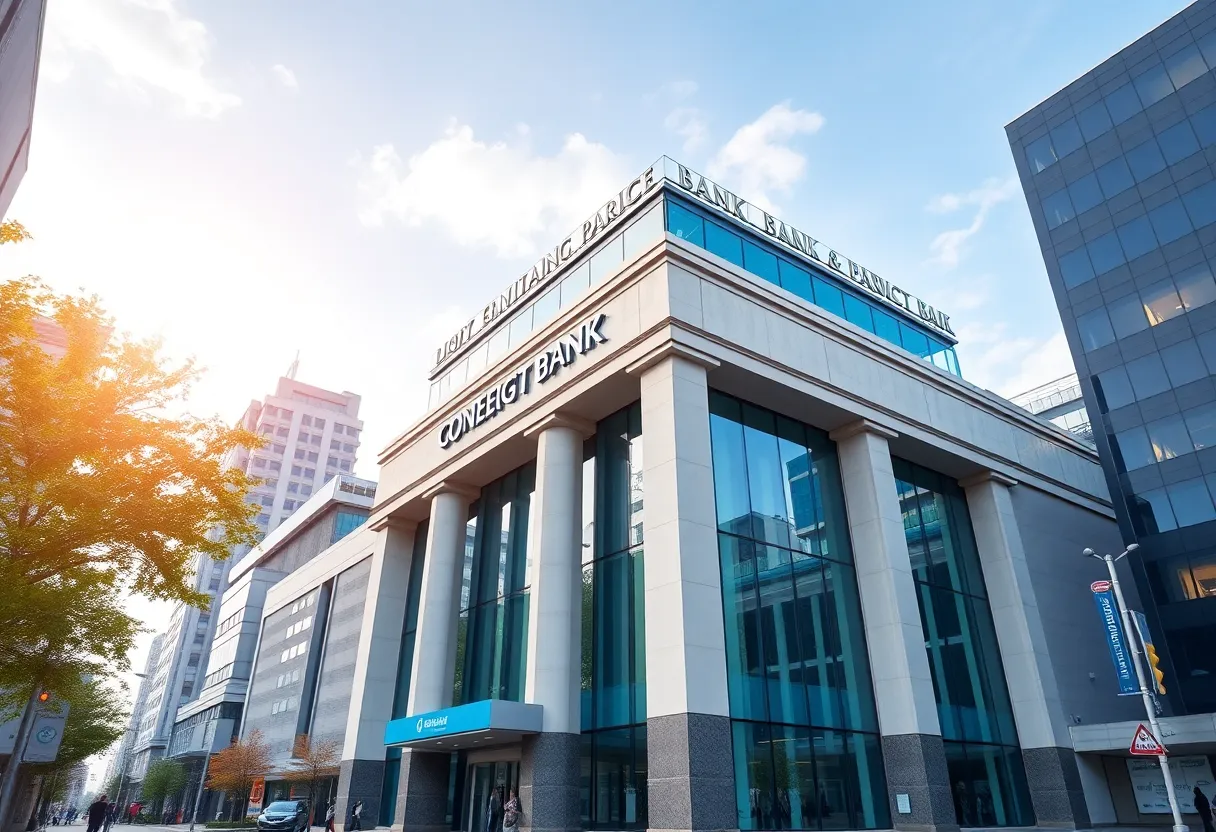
(1144, 744)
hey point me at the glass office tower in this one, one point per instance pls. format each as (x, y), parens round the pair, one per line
(1118, 172)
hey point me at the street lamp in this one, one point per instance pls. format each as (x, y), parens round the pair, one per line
(202, 782)
(1125, 618)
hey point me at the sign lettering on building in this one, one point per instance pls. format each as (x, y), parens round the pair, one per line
(544, 366)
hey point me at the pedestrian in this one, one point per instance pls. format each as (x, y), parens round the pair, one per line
(329, 816)
(511, 813)
(493, 810)
(356, 817)
(1204, 808)
(97, 813)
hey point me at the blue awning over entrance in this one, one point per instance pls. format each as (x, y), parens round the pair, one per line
(475, 725)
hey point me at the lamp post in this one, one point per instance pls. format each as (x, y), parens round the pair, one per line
(202, 783)
(1125, 617)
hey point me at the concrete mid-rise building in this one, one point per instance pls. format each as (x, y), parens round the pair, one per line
(1061, 403)
(21, 26)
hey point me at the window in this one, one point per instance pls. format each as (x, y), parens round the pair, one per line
(1075, 268)
(267, 500)
(1095, 329)
(1185, 66)
(1201, 425)
(346, 522)
(347, 448)
(276, 467)
(1122, 104)
(1153, 85)
(319, 424)
(315, 439)
(1094, 121)
(305, 490)
(1105, 253)
(1161, 302)
(1170, 221)
(828, 296)
(1137, 237)
(333, 461)
(1201, 204)
(1196, 286)
(1040, 154)
(685, 224)
(263, 519)
(306, 420)
(312, 456)
(1057, 208)
(1135, 449)
(857, 311)
(760, 262)
(267, 430)
(1191, 502)
(1169, 438)
(299, 453)
(1178, 142)
(284, 413)
(334, 444)
(1085, 193)
(344, 465)
(1066, 138)
(1183, 363)
(726, 244)
(1148, 376)
(1204, 123)
(296, 470)
(1145, 160)
(282, 431)
(270, 410)
(289, 505)
(1114, 388)
(1151, 512)
(1115, 177)
(258, 462)
(310, 473)
(279, 449)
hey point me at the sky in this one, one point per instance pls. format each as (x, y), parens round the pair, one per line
(352, 181)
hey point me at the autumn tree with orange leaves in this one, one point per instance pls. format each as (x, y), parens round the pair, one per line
(235, 769)
(311, 762)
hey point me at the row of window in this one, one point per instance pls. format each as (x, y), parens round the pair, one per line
(288, 678)
(1154, 305)
(1162, 225)
(281, 412)
(303, 454)
(299, 627)
(345, 447)
(291, 652)
(228, 623)
(1145, 89)
(1168, 438)
(821, 291)
(304, 603)
(218, 676)
(300, 488)
(1157, 372)
(1147, 159)
(283, 705)
(1186, 503)
(272, 465)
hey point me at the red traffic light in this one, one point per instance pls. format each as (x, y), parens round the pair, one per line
(44, 696)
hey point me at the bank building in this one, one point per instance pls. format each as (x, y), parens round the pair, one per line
(704, 529)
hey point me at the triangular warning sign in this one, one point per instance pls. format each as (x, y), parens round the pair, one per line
(1145, 744)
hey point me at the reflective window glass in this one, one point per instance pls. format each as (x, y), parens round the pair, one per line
(1153, 85)
(1170, 221)
(1178, 142)
(1196, 286)
(1085, 193)
(1040, 155)
(1057, 208)
(1183, 362)
(1122, 104)
(1095, 329)
(726, 244)
(1169, 437)
(1094, 121)
(1137, 237)
(1207, 348)
(521, 327)
(1145, 160)
(1075, 268)
(1136, 450)
(1153, 510)
(1201, 424)
(886, 327)
(760, 262)
(1105, 253)
(1192, 503)
(685, 224)
(828, 296)
(796, 280)
(914, 341)
(1201, 204)
(1114, 388)
(857, 311)
(1115, 177)
(643, 232)
(545, 307)
(1207, 47)
(1127, 315)
(1161, 302)
(1148, 376)
(575, 283)
(1185, 66)
(1204, 123)
(608, 259)
(1066, 138)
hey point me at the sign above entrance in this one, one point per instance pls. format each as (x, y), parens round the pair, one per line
(1144, 744)
(483, 717)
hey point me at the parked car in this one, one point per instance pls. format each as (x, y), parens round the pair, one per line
(284, 816)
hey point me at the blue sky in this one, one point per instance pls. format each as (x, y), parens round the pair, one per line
(249, 179)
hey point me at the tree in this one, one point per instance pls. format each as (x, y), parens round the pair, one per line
(311, 762)
(165, 778)
(102, 490)
(95, 721)
(12, 232)
(236, 767)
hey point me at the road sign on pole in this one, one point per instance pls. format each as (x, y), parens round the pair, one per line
(1144, 744)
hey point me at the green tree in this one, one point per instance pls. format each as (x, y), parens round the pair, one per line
(94, 723)
(165, 779)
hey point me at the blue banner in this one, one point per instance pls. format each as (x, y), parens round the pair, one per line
(1120, 656)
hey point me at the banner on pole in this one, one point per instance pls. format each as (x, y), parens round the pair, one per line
(1120, 656)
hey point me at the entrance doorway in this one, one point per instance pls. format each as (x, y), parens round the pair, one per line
(483, 780)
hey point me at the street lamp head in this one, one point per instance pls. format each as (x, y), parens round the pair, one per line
(1087, 552)
(1131, 547)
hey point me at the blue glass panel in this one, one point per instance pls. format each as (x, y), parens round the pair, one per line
(828, 296)
(760, 262)
(1057, 208)
(857, 311)
(952, 360)
(1169, 437)
(1094, 121)
(1207, 47)
(1153, 84)
(1153, 510)
(1115, 177)
(1040, 155)
(795, 280)
(1075, 268)
(724, 243)
(1170, 221)
(1201, 204)
(741, 609)
(1191, 502)
(1145, 160)
(1135, 449)
(1201, 421)
(1178, 142)
(886, 327)
(765, 477)
(1095, 330)
(1085, 193)
(913, 340)
(1185, 66)
(1066, 138)
(1137, 237)
(685, 224)
(1122, 104)
(1127, 315)
(730, 464)
(1184, 363)
(1114, 389)
(1204, 123)
(1147, 375)
(1195, 286)
(1105, 253)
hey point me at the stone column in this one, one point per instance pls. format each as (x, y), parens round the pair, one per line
(691, 777)
(1051, 765)
(549, 765)
(913, 755)
(422, 790)
(361, 773)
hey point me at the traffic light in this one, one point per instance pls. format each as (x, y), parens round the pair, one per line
(44, 696)
(1154, 662)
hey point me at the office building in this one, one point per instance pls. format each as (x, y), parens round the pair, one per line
(21, 25)
(1061, 403)
(120, 763)
(703, 529)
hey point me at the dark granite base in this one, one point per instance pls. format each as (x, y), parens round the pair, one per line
(358, 780)
(422, 792)
(549, 773)
(692, 774)
(1055, 787)
(916, 766)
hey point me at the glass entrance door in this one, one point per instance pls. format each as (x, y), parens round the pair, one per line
(485, 781)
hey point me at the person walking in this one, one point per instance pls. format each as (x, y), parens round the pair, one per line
(1204, 808)
(511, 813)
(356, 817)
(97, 813)
(329, 817)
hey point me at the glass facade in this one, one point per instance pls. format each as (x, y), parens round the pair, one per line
(806, 748)
(613, 772)
(805, 281)
(985, 764)
(1119, 175)
(492, 635)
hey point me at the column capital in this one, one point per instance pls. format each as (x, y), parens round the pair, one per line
(394, 523)
(460, 489)
(987, 476)
(861, 426)
(671, 349)
(582, 426)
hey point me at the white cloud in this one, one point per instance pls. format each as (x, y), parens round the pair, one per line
(946, 247)
(150, 47)
(285, 76)
(1008, 364)
(758, 157)
(688, 124)
(673, 91)
(501, 195)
